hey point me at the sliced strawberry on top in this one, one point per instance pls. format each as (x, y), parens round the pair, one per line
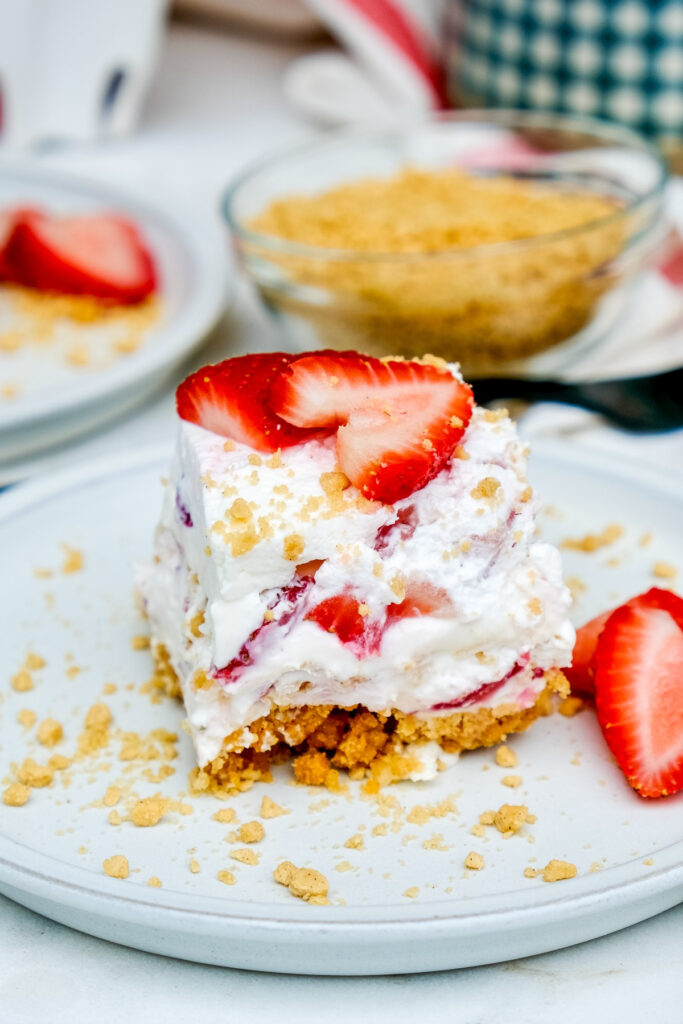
(99, 255)
(8, 220)
(230, 398)
(398, 421)
(639, 696)
(581, 673)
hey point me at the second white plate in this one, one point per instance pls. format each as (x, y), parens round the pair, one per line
(48, 399)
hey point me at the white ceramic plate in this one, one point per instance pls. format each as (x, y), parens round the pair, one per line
(52, 849)
(56, 400)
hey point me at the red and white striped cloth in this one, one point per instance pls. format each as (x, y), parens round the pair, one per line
(398, 41)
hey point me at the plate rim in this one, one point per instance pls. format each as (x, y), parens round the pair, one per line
(78, 885)
(201, 239)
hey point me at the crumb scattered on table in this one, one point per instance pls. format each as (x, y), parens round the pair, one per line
(594, 541)
(474, 861)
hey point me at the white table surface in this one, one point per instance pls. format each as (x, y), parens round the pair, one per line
(217, 104)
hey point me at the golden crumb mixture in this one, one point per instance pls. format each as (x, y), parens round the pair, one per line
(423, 211)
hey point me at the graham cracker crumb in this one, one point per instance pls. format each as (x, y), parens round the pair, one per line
(154, 882)
(226, 815)
(380, 830)
(558, 870)
(530, 872)
(412, 893)
(649, 861)
(576, 586)
(26, 718)
(226, 877)
(435, 842)
(344, 865)
(22, 681)
(34, 661)
(597, 866)
(355, 842)
(140, 642)
(49, 732)
(112, 796)
(511, 817)
(486, 490)
(594, 541)
(58, 762)
(73, 560)
(284, 872)
(293, 547)
(506, 758)
(251, 832)
(478, 830)
(534, 605)
(269, 809)
(512, 781)
(245, 856)
(194, 866)
(304, 883)
(149, 811)
(570, 706)
(114, 818)
(116, 866)
(664, 571)
(16, 795)
(474, 861)
(35, 775)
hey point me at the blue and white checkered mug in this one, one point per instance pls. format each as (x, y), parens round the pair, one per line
(620, 60)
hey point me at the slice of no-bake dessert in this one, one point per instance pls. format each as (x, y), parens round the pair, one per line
(345, 571)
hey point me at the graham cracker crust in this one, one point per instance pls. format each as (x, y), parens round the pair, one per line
(321, 740)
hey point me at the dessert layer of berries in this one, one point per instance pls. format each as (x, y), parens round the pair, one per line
(396, 423)
(631, 660)
(101, 255)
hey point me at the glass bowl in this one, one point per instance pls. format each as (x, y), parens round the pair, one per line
(487, 305)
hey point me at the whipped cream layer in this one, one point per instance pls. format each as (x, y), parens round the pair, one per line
(230, 589)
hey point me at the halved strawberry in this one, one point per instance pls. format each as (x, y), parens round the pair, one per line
(639, 696)
(230, 398)
(398, 421)
(340, 614)
(582, 671)
(99, 255)
(8, 221)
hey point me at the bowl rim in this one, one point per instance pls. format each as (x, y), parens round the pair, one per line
(603, 130)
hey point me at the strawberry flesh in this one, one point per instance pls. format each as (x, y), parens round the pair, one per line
(639, 696)
(103, 256)
(581, 673)
(341, 615)
(231, 399)
(8, 221)
(398, 422)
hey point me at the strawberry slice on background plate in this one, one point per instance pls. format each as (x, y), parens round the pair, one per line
(9, 218)
(398, 422)
(639, 696)
(581, 673)
(231, 399)
(100, 255)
